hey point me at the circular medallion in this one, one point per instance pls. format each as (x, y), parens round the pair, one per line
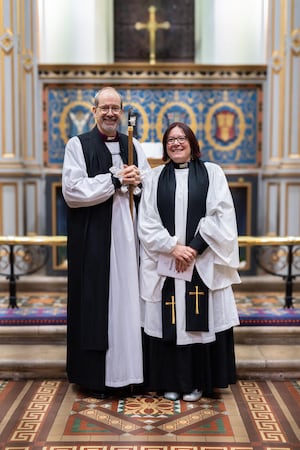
(76, 118)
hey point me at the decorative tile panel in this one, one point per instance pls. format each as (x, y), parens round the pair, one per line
(225, 118)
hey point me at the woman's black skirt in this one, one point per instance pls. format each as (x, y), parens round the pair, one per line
(183, 368)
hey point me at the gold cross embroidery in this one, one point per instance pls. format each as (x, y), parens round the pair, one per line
(172, 303)
(197, 293)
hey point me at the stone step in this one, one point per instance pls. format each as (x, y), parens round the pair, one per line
(33, 334)
(56, 335)
(267, 335)
(276, 362)
(40, 351)
(24, 361)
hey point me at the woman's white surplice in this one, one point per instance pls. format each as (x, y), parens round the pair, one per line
(217, 265)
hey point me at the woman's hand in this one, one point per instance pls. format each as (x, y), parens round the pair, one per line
(184, 256)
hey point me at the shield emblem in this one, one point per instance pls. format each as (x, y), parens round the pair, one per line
(225, 125)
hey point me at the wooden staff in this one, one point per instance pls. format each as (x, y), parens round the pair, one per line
(131, 123)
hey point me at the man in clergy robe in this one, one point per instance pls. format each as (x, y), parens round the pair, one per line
(104, 348)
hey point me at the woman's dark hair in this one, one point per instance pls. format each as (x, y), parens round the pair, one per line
(195, 148)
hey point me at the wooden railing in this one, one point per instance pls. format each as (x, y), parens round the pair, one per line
(8, 245)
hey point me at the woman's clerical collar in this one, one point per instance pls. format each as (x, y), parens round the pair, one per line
(184, 165)
(109, 138)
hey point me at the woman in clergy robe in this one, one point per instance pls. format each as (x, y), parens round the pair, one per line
(189, 258)
(104, 338)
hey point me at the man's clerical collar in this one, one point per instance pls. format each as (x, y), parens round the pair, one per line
(184, 165)
(109, 138)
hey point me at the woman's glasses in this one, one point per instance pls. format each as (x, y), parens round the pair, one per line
(179, 139)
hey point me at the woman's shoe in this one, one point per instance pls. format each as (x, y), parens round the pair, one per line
(171, 396)
(193, 396)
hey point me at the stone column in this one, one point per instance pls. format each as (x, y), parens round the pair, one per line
(21, 152)
(281, 150)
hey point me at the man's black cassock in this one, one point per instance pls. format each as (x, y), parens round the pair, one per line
(88, 252)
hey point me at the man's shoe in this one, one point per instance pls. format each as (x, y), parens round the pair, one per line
(97, 394)
(171, 396)
(193, 396)
(93, 393)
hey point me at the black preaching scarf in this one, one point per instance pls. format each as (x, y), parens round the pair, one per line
(196, 291)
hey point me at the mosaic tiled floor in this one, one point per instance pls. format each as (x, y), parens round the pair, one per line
(50, 308)
(52, 415)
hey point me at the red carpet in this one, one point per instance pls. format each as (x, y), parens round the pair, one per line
(51, 309)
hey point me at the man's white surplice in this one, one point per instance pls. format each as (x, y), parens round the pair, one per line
(124, 364)
(217, 265)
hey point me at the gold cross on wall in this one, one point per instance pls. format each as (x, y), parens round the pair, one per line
(197, 293)
(172, 303)
(152, 26)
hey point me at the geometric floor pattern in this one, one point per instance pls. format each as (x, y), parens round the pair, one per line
(52, 415)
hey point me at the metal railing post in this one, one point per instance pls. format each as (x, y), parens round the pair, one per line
(12, 279)
(289, 280)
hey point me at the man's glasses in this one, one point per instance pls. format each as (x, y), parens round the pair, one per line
(105, 109)
(179, 139)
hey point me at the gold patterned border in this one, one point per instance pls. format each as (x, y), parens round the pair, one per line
(135, 73)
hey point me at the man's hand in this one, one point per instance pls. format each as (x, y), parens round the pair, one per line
(130, 175)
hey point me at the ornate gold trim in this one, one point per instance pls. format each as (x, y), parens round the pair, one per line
(136, 72)
(7, 41)
(295, 45)
(277, 61)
